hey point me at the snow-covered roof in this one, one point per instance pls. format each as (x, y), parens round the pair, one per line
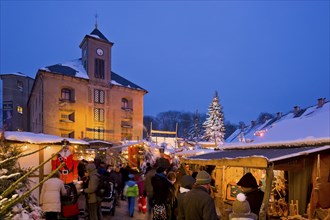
(292, 135)
(75, 68)
(311, 123)
(16, 74)
(39, 138)
(72, 68)
(96, 33)
(193, 152)
(99, 141)
(243, 157)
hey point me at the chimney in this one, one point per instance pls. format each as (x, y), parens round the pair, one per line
(296, 109)
(278, 115)
(253, 123)
(320, 102)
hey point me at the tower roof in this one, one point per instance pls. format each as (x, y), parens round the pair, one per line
(99, 34)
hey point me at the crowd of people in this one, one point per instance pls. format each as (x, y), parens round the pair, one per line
(162, 192)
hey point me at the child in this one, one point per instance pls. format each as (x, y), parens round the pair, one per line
(241, 209)
(131, 191)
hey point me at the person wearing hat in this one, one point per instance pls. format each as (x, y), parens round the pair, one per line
(131, 191)
(241, 209)
(161, 200)
(197, 203)
(252, 192)
(93, 201)
(186, 184)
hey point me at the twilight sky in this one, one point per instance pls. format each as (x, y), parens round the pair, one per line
(261, 56)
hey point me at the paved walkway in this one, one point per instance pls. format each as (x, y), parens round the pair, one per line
(121, 213)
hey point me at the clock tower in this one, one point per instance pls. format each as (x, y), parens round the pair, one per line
(96, 56)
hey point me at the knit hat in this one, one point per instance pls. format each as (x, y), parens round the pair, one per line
(187, 181)
(240, 205)
(203, 178)
(90, 167)
(248, 181)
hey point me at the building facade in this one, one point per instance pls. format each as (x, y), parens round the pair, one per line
(85, 99)
(16, 88)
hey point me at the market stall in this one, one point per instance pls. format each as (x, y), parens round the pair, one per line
(287, 172)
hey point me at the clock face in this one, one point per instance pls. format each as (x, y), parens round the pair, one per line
(99, 52)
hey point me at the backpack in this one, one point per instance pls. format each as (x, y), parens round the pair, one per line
(105, 187)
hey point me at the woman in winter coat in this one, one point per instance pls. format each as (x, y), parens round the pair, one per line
(131, 191)
(50, 197)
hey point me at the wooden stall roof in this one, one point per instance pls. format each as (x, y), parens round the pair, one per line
(253, 157)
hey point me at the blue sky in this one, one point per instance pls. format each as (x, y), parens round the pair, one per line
(261, 56)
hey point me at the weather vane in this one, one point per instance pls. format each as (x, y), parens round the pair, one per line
(96, 16)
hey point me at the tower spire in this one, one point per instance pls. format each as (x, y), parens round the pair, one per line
(96, 16)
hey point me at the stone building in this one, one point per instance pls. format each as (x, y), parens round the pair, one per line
(85, 99)
(15, 92)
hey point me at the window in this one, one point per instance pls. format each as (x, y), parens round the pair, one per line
(126, 124)
(20, 109)
(99, 133)
(68, 117)
(85, 64)
(99, 114)
(67, 95)
(124, 103)
(20, 85)
(99, 68)
(99, 96)
(68, 135)
(126, 134)
(71, 134)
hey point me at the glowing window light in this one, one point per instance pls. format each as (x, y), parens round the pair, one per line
(260, 133)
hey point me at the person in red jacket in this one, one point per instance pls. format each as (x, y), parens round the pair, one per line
(69, 172)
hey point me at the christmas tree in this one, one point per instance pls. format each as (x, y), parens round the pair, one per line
(195, 132)
(14, 202)
(214, 125)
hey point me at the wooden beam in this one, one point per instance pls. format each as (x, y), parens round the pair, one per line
(252, 162)
(162, 132)
(268, 189)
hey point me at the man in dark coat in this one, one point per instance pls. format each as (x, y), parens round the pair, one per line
(147, 188)
(197, 203)
(252, 192)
